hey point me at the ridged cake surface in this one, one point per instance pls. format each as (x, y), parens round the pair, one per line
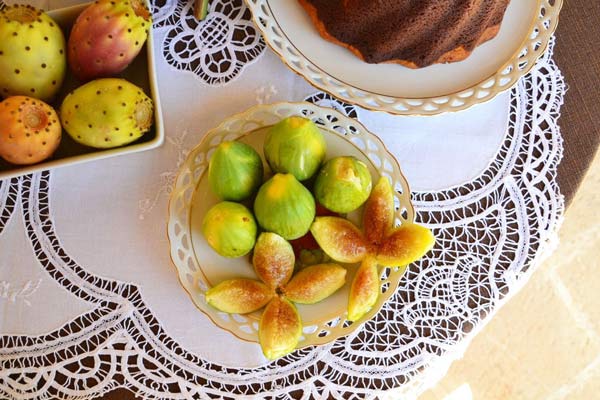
(414, 33)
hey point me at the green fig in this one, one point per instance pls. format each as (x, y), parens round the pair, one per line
(230, 229)
(235, 171)
(284, 206)
(315, 283)
(279, 329)
(296, 146)
(343, 184)
(239, 296)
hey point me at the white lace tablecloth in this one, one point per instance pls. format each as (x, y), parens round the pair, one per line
(89, 299)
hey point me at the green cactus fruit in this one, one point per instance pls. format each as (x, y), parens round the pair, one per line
(284, 206)
(106, 113)
(235, 171)
(33, 58)
(230, 229)
(107, 36)
(296, 146)
(343, 184)
(29, 130)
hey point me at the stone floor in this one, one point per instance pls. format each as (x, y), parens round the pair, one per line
(545, 342)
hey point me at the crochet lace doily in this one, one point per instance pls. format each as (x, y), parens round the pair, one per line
(492, 231)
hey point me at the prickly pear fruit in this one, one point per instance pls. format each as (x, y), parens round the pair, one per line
(273, 259)
(296, 146)
(32, 53)
(239, 296)
(230, 229)
(343, 184)
(284, 206)
(107, 36)
(235, 171)
(315, 283)
(106, 113)
(279, 328)
(29, 130)
(364, 290)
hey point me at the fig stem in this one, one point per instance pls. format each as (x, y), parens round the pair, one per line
(200, 9)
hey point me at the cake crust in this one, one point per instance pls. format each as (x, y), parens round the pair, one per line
(336, 21)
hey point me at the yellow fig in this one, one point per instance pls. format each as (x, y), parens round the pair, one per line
(378, 217)
(315, 283)
(405, 245)
(279, 329)
(273, 259)
(339, 238)
(239, 296)
(364, 290)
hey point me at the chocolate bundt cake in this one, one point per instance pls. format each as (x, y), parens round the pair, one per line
(414, 33)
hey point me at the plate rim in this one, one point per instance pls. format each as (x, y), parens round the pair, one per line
(428, 105)
(170, 210)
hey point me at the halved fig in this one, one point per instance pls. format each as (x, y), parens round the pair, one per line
(364, 290)
(405, 245)
(378, 217)
(239, 296)
(339, 238)
(279, 329)
(315, 283)
(273, 259)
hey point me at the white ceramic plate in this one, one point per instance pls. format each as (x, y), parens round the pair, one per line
(199, 267)
(492, 68)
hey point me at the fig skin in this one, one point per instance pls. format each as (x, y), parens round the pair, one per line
(284, 206)
(339, 238)
(343, 184)
(235, 171)
(230, 229)
(239, 296)
(279, 329)
(273, 259)
(315, 283)
(296, 146)
(365, 289)
(405, 245)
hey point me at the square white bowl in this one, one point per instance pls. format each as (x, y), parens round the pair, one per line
(140, 72)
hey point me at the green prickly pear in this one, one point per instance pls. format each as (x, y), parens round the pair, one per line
(107, 36)
(32, 53)
(106, 113)
(29, 130)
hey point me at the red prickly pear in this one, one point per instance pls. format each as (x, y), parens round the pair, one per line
(29, 130)
(107, 36)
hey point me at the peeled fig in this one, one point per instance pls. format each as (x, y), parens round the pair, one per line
(279, 329)
(315, 283)
(364, 290)
(296, 146)
(273, 259)
(405, 245)
(378, 217)
(235, 171)
(343, 184)
(339, 238)
(230, 229)
(284, 206)
(239, 296)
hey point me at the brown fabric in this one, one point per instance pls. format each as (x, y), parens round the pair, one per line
(578, 57)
